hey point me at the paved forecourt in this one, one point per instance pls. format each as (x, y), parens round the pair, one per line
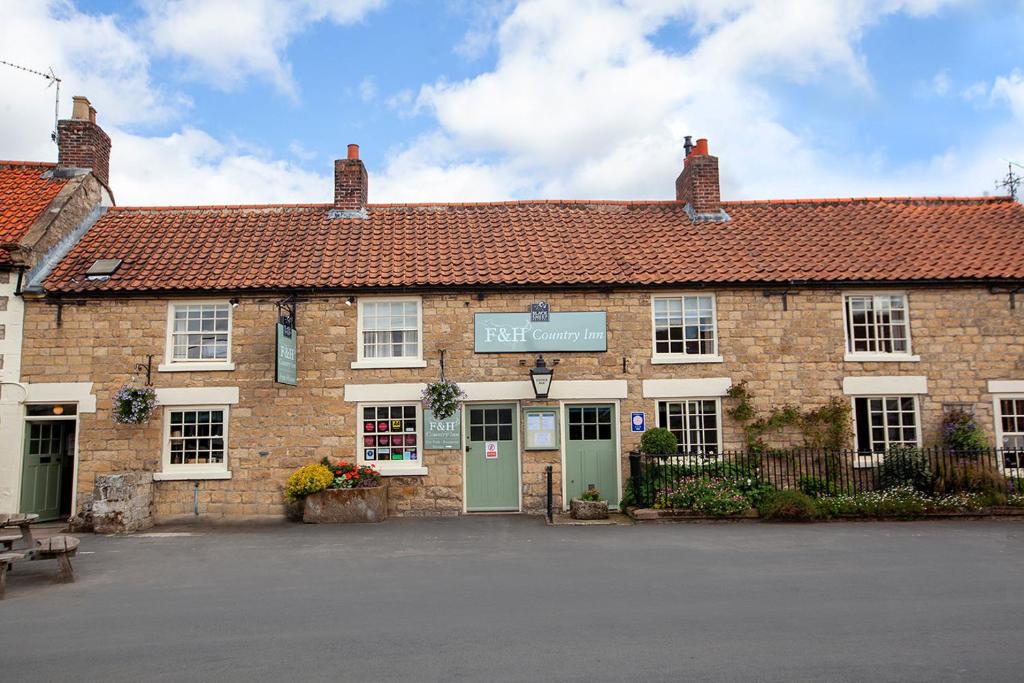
(507, 598)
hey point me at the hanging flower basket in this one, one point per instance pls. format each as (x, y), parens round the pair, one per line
(134, 405)
(443, 398)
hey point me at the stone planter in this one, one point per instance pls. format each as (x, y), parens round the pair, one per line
(588, 509)
(345, 506)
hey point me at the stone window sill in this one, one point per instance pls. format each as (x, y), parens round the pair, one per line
(378, 364)
(401, 471)
(682, 360)
(195, 367)
(880, 358)
(190, 476)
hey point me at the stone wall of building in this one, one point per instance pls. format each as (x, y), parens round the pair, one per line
(65, 213)
(964, 337)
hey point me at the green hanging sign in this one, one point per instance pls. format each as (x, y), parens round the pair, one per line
(444, 435)
(287, 361)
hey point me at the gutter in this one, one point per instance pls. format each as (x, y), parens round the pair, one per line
(538, 287)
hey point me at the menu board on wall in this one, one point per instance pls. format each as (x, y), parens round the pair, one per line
(541, 428)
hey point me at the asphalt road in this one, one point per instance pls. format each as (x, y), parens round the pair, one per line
(507, 598)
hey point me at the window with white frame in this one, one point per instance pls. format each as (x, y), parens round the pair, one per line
(1010, 421)
(877, 324)
(195, 439)
(885, 421)
(389, 435)
(390, 330)
(199, 333)
(684, 327)
(694, 422)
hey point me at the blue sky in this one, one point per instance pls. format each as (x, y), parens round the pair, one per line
(214, 101)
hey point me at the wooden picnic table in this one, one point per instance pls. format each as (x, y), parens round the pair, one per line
(60, 548)
(6, 560)
(24, 522)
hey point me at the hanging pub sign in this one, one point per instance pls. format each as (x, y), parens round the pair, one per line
(540, 312)
(286, 368)
(517, 333)
(443, 435)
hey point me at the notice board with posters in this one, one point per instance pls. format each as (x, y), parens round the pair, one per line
(542, 428)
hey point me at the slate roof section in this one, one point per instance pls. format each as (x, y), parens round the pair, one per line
(549, 243)
(26, 189)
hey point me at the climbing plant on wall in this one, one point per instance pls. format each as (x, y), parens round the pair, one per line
(826, 426)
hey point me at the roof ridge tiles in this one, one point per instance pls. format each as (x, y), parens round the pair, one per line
(818, 201)
(27, 164)
(933, 199)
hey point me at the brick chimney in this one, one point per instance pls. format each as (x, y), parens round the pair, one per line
(83, 144)
(350, 182)
(697, 185)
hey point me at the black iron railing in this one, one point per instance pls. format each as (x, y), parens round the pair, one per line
(827, 472)
(549, 479)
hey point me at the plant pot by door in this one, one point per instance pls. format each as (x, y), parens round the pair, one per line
(588, 509)
(346, 506)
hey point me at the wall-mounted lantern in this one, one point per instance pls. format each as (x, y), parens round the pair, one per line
(540, 376)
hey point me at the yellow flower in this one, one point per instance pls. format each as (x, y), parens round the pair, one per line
(307, 480)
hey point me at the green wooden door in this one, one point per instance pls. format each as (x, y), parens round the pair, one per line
(492, 458)
(42, 468)
(591, 455)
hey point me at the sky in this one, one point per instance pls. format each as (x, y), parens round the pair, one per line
(249, 101)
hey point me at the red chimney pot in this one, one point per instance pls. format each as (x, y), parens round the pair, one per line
(353, 152)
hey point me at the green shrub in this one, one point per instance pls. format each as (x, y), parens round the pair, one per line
(788, 506)
(591, 495)
(817, 486)
(966, 476)
(713, 496)
(658, 441)
(962, 433)
(627, 500)
(905, 466)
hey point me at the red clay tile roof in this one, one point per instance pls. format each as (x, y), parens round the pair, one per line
(549, 243)
(24, 193)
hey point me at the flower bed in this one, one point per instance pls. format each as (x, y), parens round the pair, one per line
(692, 497)
(715, 496)
(336, 493)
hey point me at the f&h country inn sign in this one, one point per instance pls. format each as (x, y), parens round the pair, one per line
(285, 368)
(517, 333)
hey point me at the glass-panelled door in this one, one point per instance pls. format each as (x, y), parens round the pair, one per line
(591, 451)
(492, 458)
(48, 450)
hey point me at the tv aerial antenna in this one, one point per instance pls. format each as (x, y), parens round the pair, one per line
(52, 80)
(1012, 182)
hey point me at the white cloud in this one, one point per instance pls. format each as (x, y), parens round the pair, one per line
(92, 55)
(98, 57)
(1010, 88)
(583, 103)
(192, 167)
(226, 41)
(368, 89)
(941, 82)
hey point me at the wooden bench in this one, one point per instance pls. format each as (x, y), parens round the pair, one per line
(6, 560)
(24, 522)
(7, 540)
(60, 548)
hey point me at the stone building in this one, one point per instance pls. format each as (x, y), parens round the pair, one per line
(44, 208)
(645, 310)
